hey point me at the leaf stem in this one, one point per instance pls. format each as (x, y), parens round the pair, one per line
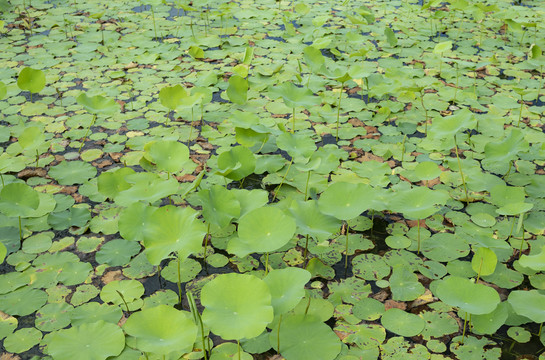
(284, 178)
(179, 282)
(460, 168)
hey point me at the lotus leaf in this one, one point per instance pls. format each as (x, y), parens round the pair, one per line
(22, 340)
(97, 104)
(402, 323)
(167, 155)
(238, 89)
(418, 203)
(345, 201)
(112, 183)
(236, 306)
(132, 221)
(72, 172)
(219, 205)
(99, 339)
(171, 96)
(236, 163)
(305, 338)
(162, 329)
(528, 303)
(17, 199)
(32, 80)
(260, 231)
(311, 221)
(172, 229)
(472, 298)
(287, 287)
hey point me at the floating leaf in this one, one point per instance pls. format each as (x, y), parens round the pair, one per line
(469, 297)
(17, 199)
(484, 261)
(236, 306)
(238, 89)
(32, 80)
(528, 303)
(172, 229)
(262, 230)
(287, 287)
(402, 323)
(162, 329)
(72, 172)
(219, 205)
(167, 155)
(171, 96)
(97, 104)
(345, 201)
(99, 339)
(237, 163)
(305, 337)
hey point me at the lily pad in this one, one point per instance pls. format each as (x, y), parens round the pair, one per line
(162, 329)
(72, 172)
(469, 297)
(305, 338)
(99, 339)
(236, 306)
(402, 323)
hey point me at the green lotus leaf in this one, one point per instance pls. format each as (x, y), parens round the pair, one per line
(172, 229)
(345, 201)
(7, 325)
(237, 163)
(442, 47)
(238, 89)
(298, 146)
(484, 261)
(294, 96)
(72, 172)
(3, 90)
(448, 126)
(418, 203)
(53, 316)
(491, 322)
(11, 303)
(528, 303)
(219, 205)
(22, 340)
(32, 80)
(535, 262)
(117, 252)
(498, 154)
(162, 329)
(112, 183)
(132, 221)
(231, 351)
(314, 59)
(402, 323)
(18, 199)
(405, 285)
(465, 294)
(99, 339)
(167, 155)
(390, 36)
(427, 170)
(171, 96)
(287, 288)
(146, 187)
(305, 337)
(77, 216)
(311, 221)
(3, 252)
(97, 104)
(118, 292)
(92, 312)
(236, 306)
(250, 199)
(262, 230)
(31, 137)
